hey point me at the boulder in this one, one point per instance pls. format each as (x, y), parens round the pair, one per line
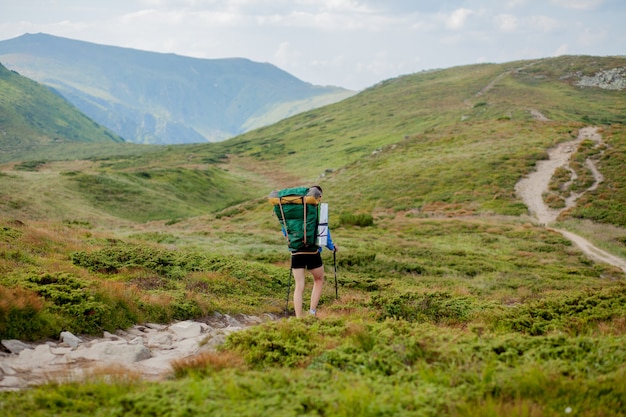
(69, 339)
(186, 329)
(112, 352)
(38, 358)
(14, 346)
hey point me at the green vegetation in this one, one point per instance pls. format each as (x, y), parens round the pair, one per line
(607, 203)
(452, 303)
(31, 115)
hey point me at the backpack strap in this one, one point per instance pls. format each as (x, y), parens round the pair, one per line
(282, 213)
(304, 221)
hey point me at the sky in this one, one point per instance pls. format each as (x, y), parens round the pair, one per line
(347, 43)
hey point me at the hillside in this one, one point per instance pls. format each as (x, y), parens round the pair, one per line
(416, 144)
(154, 98)
(33, 117)
(454, 297)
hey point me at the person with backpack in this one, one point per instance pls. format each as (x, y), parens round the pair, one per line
(297, 210)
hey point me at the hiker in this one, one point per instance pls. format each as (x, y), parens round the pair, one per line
(305, 257)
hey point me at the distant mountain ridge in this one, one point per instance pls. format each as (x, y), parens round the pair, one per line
(148, 97)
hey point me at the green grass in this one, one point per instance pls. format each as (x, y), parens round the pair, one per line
(452, 303)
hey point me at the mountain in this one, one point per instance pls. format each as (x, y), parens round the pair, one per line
(148, 97)
(31, 116)
(450, 296)
(453, 140)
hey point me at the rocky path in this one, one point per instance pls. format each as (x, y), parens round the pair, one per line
(144, 351)
(532, 188)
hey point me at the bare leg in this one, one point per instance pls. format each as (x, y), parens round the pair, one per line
(298, 275)
(318, 283)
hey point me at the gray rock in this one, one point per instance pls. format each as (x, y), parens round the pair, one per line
(162, 340)
(70, 340)
(12, 383)
(148, 349)
(37, 358)
(112, 352)
(612, 79)
(14, 346)
(186, 329)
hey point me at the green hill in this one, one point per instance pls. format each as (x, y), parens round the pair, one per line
(32, 117)
(154, 98)
(452, 300)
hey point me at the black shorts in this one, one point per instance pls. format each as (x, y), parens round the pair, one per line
(300, 260)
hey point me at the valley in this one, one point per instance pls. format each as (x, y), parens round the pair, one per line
(480, 269)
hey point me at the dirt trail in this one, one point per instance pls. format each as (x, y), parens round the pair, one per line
(532, 188)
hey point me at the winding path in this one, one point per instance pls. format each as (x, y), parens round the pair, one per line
(532, 188)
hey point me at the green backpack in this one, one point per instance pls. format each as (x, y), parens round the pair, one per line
(297, 212)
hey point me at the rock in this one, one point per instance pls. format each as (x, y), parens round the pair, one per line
(69, 339)
(5, 368)
(611, 79)
(37, 358)
(187, 347)
(155, 326)
(233, 322)
(215, 341)
(162, 340)
(61, 350)
(112, 352)
(111, 336)
(12, 383)
(14, 346)
(186, 329)
(148, 349)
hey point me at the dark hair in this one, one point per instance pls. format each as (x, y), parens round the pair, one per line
(318, 187)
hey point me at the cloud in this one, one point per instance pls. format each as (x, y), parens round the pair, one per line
(506, 22)
(561, 50)
(589, 37)
(283, 55)
(544, 23)
(578, 4)
(352, 43)
(515, 3)
(457, 19)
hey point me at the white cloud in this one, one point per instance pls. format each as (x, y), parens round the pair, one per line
(515, 3)
(457, 19)
(283, 55)
(544, 23)
(578, 4)
(561, 50)
(506, 22)
(351, 43)
(589, 37)
(342, 6)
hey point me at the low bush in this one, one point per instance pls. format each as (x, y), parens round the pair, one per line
(360, 220)
(433, 307)
(21, 315)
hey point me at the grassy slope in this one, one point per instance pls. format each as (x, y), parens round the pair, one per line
(451, 303)
(33, 116)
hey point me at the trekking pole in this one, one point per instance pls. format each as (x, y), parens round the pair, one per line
(288, 292)
(335, 265)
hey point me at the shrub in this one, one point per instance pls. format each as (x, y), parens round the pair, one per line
(275, 344)
(79, 307)
(361, 220)
(29, 165)
(575, 313)
(435, 307)
(21, 314)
